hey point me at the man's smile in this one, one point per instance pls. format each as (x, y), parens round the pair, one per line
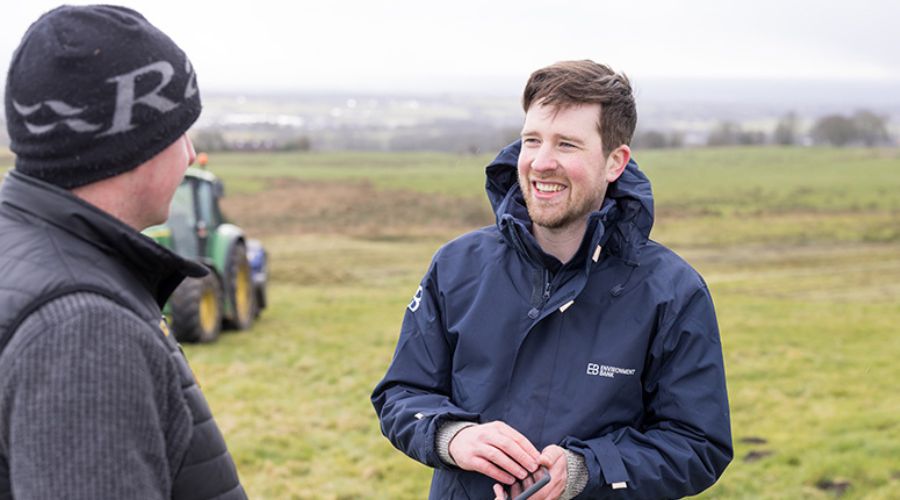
(547, 189)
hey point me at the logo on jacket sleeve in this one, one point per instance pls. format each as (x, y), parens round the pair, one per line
(416, 300)
(607, 371)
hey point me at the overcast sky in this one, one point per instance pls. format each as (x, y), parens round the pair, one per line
(490, 46)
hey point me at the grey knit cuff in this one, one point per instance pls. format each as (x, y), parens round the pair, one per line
(445, 434)
(576, 475)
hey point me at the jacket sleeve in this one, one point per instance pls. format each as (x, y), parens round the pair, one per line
(413, 399)
(684, 443)
(85, 405)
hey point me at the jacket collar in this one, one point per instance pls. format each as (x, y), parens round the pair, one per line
(159, 270)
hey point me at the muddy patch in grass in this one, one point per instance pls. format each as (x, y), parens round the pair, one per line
(836, 486)
(356, 208)
(757, 455)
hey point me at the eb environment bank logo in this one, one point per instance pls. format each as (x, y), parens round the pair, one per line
(607, 371)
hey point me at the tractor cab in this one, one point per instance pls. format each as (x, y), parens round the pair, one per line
(194, 213)
(233, 293)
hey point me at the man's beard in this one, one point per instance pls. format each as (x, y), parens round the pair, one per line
(559, 216)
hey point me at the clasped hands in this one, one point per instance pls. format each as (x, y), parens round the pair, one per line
(502, 453)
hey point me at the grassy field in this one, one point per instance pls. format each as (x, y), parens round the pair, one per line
(801, 248)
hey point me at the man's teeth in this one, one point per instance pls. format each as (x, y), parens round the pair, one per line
(541, 186)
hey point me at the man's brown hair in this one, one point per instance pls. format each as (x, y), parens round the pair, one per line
(571, 83)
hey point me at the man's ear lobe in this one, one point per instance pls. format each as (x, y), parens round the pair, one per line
(616, 162)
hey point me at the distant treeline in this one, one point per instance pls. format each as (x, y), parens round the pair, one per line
(863, 128)
(454, 136)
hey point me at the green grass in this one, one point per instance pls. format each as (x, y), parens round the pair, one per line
(704, 181)
(703, 196)
(774, 180)
(292, 395)
(421, 172)
(801, 248)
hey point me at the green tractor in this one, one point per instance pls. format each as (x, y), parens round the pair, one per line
(234, 292)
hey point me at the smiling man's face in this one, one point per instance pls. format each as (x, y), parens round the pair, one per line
(563, 172)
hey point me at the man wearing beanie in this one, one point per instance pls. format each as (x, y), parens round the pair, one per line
(96, 399)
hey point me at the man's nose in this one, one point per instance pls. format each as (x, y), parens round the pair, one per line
(544, 159)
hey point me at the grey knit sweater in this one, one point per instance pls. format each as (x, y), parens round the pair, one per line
(92, 406)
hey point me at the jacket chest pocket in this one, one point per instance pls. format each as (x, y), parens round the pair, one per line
(603, 361)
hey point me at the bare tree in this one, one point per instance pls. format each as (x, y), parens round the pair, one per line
(871, 129)
(724, 134)
(729, 133)
(836, 130)
(786, 131)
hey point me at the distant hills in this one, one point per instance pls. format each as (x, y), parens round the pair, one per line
(472, 122)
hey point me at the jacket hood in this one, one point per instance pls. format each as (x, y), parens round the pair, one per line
(627, 211)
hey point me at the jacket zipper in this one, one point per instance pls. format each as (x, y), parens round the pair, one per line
(546, 287)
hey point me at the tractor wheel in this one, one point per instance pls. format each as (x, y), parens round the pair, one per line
(240, 288)
(197, 309)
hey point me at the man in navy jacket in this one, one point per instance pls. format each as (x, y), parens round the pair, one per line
(562, 336)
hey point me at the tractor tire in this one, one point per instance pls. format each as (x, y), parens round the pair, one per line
(240, 288)
(197, 309)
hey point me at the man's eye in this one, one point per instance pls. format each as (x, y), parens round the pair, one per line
(529, 140)
(566, 145)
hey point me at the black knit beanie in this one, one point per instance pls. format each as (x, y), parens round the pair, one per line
(95, 91)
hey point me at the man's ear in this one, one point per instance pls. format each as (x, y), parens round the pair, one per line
(616, 162)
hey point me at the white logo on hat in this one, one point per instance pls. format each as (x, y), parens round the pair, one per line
(191, 88)
(126, 100)
(61, 109)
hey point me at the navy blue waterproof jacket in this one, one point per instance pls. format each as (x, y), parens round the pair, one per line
(617, 358)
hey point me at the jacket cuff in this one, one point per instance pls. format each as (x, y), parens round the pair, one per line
(606, 468)
(576, 475)
(446, 432)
